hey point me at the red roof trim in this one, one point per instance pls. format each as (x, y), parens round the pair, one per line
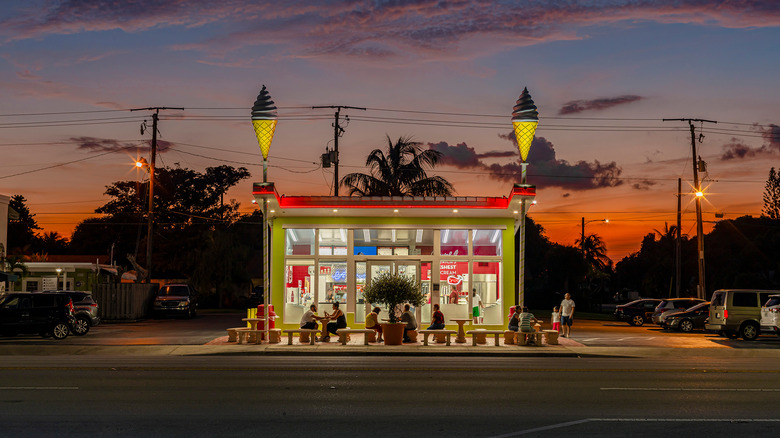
(267, 190)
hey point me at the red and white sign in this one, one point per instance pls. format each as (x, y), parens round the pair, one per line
(454, 280)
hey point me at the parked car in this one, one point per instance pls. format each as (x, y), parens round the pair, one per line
(688, 319)
(176, 299)
(636, 312)
(673, 304)
(737, 312)
(48, 314)
(85, 309)
(770, 315)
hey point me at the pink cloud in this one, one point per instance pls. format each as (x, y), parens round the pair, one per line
(363, 28)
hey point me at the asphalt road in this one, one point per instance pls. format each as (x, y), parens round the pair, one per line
(387, 396)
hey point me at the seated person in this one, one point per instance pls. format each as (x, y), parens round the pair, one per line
(340, 321)
(437, 322)
(526, 319)
(372, 322)
(514, 321)
(309, 319)
(410, 320)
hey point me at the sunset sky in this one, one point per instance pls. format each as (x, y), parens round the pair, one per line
(603, 74)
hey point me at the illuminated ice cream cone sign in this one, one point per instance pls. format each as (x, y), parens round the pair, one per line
(264, 121)
(524, 120)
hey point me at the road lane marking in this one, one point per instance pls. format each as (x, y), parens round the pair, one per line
(38, 388)
(634, 420)
(695, 389)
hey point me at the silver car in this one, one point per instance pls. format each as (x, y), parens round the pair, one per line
(85, 309)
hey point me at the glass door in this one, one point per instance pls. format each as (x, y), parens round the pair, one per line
(408, 268)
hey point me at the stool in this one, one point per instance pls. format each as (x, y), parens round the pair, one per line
(371, 336)
(412, 335)
(509, 337)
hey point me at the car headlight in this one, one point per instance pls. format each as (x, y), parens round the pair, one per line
(183, 304)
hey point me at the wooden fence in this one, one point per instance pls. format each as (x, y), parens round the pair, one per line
(125, 301)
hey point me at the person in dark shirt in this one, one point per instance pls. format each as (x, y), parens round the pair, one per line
(438, 319)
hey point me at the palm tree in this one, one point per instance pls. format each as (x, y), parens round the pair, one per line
(14, 264)
(401, 171)
(595, 252)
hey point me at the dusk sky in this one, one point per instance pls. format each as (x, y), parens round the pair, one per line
(603, 74)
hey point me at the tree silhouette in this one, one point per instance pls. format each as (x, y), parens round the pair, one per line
(772, 196)
(401, 171)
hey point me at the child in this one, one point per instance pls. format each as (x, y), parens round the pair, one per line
(556, 319)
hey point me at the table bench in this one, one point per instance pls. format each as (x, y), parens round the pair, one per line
(475, 333)
(551, 336)
(249, 335)
(522, 338)
(232, 333)
(311, 333)
(447, 333)
(344, 334)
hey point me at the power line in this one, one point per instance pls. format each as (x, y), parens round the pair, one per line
(67, 162)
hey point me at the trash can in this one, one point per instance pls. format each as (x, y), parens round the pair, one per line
(271, 318)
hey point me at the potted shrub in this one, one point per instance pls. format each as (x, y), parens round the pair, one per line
(392, 291)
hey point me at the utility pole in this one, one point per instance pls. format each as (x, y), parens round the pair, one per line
(150, 219)
(678, 241)
(338, 131)
(701, 292)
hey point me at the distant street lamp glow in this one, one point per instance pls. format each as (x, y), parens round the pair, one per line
(699, 194)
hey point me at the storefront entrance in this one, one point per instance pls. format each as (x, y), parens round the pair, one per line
(407, 268)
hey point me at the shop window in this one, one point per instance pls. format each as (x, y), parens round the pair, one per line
(360, 282)
(454, 289)
(332, 285)
(485, 280)
(31, 286)
(454, 242)
(486, 242)
(333, 241)
(299, 241)
(389, 242)
(299, 293)
(425, 286)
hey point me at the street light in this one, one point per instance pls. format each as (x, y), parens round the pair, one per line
(525, 118)
(59, 271)
(264, 119)
(582, 237)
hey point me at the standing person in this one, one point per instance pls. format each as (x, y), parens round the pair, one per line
(556, 319)
(410, 320)
(372, 322)
(340, 321)
(309, 319)
(437, 322)
(567, 314)
(477, 306)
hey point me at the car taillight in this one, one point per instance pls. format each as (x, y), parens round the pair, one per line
(725, 313)
(93, 305)
(775, 310)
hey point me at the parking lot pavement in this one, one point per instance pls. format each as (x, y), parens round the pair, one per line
(621, 334)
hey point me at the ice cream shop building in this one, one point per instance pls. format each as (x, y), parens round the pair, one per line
(324, 249)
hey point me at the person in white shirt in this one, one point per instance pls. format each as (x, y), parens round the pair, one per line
(477, 306)
(309, 319)
(567, 314)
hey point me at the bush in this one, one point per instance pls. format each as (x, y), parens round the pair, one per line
(392, 290)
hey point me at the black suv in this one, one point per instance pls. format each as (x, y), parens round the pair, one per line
(85, 309)
(636, 312)
(176, 299)
(48, 314)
